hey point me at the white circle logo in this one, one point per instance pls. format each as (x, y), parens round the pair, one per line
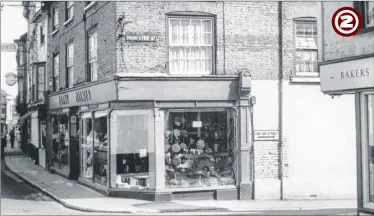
(346, 21)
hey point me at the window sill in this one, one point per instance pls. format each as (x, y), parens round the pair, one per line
(54, 32)
(68, 21)
(366, 30)
(89, 6)
(300, 79)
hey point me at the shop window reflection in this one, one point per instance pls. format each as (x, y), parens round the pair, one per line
(200, 149)
(60, 139)
(87, 147)
(370, 99)
(130, 137)
(100, 148)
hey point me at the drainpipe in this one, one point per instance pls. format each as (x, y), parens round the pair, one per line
(280, 96)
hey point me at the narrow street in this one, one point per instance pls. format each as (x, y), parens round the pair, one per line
(18, 198)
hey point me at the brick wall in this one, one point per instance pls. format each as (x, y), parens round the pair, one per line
(101, 17)
(292, 10)
(335, 46)
(246, 36)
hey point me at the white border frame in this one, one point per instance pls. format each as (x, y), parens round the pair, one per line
(364, 144)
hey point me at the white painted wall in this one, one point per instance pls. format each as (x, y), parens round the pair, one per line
(319, 135)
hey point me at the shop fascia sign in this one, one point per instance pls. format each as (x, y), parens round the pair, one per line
(80, 96)
(99, 93)
(347, 76)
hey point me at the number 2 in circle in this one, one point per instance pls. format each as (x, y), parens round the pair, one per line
(347, 21)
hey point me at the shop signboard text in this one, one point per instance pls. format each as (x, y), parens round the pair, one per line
(347, 76)
(266, 135)
(100, 93)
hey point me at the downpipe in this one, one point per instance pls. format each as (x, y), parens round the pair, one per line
(280, 98)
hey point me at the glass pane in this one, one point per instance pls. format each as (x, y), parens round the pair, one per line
(174, 28)
(369, 13)
(299, 29)
(185, 29)
(200, 149)
(130, 139)
(207, 26)
(100, 148)
(60, 139)
(87, 147)
(370, 99)
(196, 32)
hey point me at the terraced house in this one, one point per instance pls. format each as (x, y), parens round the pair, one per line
(172, 100)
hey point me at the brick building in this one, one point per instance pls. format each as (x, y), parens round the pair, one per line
(347, 69)
(155, 100)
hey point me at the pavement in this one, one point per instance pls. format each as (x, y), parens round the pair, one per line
(77, 197)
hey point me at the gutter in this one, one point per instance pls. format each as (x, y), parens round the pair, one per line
(280, 96)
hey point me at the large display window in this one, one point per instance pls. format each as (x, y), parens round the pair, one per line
(368, 149)
(100, 149)
(60, 142)
(86, 146)
(200, 148)
(132, 141)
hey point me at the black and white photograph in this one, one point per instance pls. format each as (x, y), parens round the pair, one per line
(199, 107)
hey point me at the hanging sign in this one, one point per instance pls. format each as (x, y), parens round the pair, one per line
(266, 135)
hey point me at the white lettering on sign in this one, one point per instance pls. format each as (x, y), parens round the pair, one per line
(266, 135)
(145, 38)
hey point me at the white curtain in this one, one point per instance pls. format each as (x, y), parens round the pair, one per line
(190, 46)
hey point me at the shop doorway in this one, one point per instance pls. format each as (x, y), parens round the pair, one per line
(74, 146)
(367, 147)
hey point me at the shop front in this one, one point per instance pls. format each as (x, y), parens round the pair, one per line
(357, 77)
(138, 138)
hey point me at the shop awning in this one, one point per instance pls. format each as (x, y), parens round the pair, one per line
(100, 114)
(22, 118)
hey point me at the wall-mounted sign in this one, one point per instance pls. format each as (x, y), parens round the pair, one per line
(197, 124)
(146, 37)
(347, 76)
(96, 94)
(266, 135)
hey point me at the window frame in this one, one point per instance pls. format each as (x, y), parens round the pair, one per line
(38, 81)
(90, 76)
(295, 74)
(55, 77)
(192, 15)
(55, 19)
(42, 34)
(69, 10)
(360, 6)
(364, 160)
(69, 65)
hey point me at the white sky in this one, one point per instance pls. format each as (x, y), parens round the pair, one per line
(13, 25)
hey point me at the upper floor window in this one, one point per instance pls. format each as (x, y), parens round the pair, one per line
(69, 10)
(70, 65)
(92, 56)
(55, 18)
(41, 82)
(191, 45)
(42, 34)
(366, 9)
(306, 48)
(56, 72)
(34, 92)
